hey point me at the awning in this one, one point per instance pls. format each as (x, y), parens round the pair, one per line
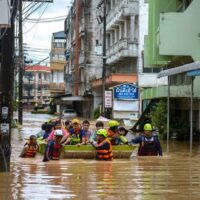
(74, 98)
(179, 70)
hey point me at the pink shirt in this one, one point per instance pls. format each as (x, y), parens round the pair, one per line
(52, 134)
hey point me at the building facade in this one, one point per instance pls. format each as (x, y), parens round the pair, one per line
(126, 25)
(36, 85)
(173, 41)
(57, 63)
(82, 60)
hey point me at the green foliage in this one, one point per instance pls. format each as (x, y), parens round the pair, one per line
(14, 124)
(96, 113)
(180, 127)
(159, 118)
(15, 105)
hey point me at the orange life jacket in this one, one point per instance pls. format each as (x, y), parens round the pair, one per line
(103, 154)
(112, 136)
(31, 151)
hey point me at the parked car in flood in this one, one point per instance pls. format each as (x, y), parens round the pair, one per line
(69, 113)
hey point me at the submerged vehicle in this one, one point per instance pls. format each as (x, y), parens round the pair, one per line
(88, 152)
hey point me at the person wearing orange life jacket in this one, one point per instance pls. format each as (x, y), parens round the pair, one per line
(30, 148)
(113, 133)
(54, 147)
(103, 146)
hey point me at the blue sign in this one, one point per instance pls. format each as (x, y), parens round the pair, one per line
(126, 91)
(194, 73)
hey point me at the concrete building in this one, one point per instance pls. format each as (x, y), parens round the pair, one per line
(36, 85)
(82, 61)
(57, 63)
(127, 24)
(173, 41)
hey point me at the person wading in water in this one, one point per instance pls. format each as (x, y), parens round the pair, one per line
(149, 144)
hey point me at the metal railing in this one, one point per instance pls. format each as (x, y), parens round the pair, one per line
(121, 7)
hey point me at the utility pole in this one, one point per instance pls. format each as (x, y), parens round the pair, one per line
(6, 88)
(21, 65)
(104, 59)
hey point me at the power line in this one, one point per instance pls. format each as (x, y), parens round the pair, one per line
(38, 20)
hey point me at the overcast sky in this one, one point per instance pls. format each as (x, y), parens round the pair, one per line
(39, 34)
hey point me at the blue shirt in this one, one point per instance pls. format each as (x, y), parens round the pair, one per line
(81, 132)
(140, 139)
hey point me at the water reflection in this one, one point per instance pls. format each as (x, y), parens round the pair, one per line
(173, 176)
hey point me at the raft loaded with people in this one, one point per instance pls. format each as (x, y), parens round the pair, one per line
(80, 142)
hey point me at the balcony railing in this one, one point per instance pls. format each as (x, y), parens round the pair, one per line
(124, 8)
(59, 87)
(122, 48)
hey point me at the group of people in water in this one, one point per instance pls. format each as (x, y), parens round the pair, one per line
(57, 133)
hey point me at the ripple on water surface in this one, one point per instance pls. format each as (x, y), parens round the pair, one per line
(175, 176)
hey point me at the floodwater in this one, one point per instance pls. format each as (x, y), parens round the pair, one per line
(174, 176)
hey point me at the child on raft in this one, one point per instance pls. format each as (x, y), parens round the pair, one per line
(30, 148)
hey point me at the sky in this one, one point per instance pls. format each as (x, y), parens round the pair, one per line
(38, 35)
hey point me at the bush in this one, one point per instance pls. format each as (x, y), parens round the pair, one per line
(96, 113)
(159, 118)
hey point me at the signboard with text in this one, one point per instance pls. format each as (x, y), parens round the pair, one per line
(108, 99)
(126, 91)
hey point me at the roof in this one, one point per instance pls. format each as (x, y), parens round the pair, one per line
(37, 68)
(180, 69)
(59, 35)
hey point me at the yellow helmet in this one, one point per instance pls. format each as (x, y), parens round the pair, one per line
(75, 121)
(102, 132)
(148, 127)
(113, 123)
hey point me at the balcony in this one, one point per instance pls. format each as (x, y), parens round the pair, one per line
(121, 49)
(57, 87)
(115, 79)
(57, 65)
(121, 10)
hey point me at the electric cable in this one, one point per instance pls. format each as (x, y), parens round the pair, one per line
(38, 20)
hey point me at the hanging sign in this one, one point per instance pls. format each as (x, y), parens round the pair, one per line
(108, 99)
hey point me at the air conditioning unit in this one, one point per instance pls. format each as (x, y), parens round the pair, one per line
(5, 13)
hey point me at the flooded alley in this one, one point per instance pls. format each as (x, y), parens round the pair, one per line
(173, 176)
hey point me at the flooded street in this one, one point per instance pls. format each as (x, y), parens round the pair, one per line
(174, 176)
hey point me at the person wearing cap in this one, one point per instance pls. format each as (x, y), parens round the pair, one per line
(103, 146)
(76, 134)
(113, 134)
(149, 143)
(54, 147)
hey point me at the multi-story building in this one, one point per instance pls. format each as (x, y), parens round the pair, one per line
(127, 23)
(36, 85)
(125, 30)
(82, 61)
(173, 41)
(57, 63)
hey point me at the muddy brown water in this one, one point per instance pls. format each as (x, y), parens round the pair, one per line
(173, 176)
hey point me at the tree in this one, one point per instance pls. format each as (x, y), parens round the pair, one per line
(159, 118)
